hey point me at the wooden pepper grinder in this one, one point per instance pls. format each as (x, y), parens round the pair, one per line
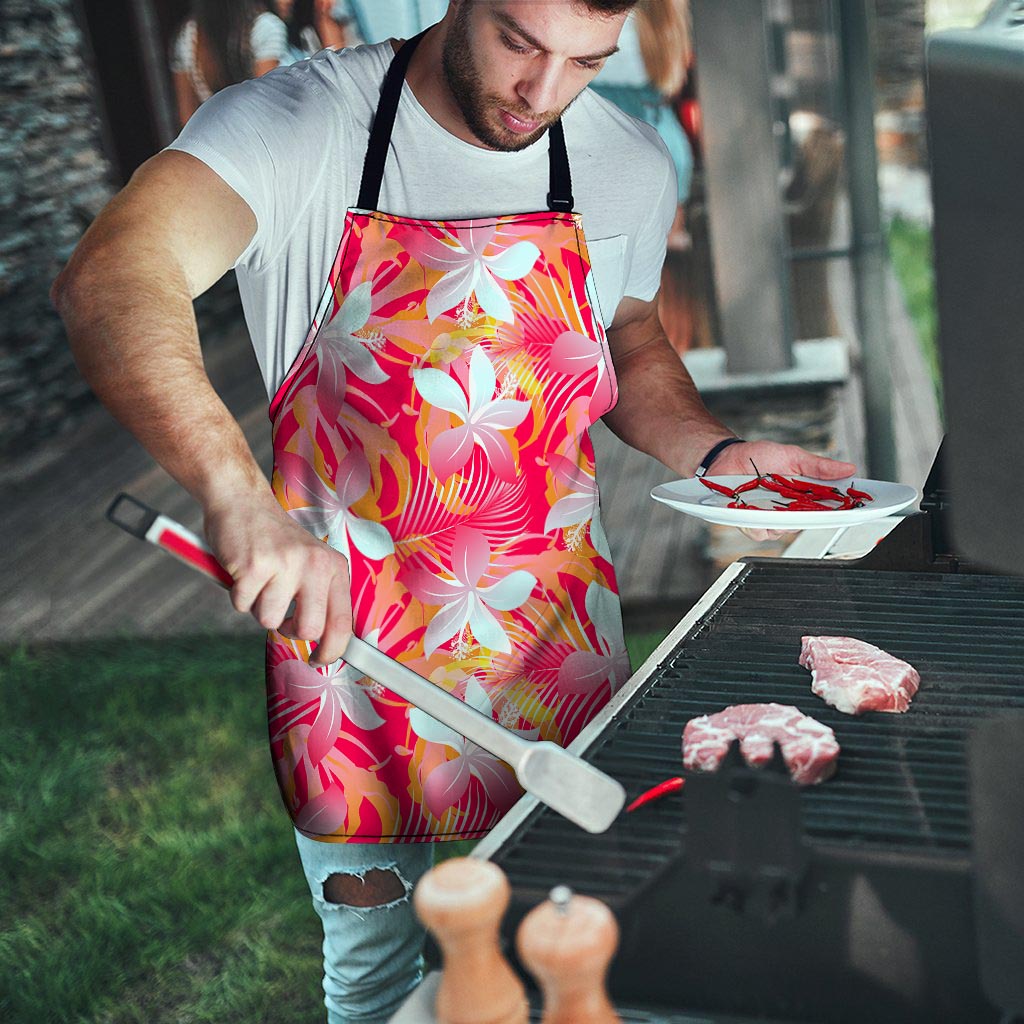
(567, 943)
(462, 902)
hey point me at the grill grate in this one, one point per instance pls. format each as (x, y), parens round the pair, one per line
(902, 779)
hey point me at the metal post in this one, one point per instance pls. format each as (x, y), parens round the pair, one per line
(748, 236)
(154, 67)
(868, 239)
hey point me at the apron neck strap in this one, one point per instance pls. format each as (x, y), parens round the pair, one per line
(559, 197)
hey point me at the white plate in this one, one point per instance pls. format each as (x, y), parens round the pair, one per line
(693, 498)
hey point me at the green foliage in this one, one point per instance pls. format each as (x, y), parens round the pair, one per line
(149, 872)
(641, 646)
(910, 247)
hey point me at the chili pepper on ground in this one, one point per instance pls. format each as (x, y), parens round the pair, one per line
(656, 793)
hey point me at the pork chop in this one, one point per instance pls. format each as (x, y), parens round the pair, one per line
(854, 677)
(809, 748)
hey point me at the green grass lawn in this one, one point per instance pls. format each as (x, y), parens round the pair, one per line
(910, 247)
(148, 868)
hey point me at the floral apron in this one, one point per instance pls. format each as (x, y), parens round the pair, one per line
(434, 429)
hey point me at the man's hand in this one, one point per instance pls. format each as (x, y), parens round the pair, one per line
(771, 457)
(274, 562)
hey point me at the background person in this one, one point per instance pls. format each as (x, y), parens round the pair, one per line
(224, 42)
(313, 25)
(373, 21)
(647, 75)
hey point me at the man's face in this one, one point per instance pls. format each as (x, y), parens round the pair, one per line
(513, 66)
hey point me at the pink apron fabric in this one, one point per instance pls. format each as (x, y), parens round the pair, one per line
(434, 429)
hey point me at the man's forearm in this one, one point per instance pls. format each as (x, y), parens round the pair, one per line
(660, 411)
(133, 333)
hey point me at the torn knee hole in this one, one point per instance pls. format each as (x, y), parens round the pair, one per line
(374, 889)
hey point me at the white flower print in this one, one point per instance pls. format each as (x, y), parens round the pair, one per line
(483, 417)
(580, 503)
(470, 272)
(463, 600)
(341, 694)
(340, 347)
(584, 671)
(446, 784)
(328, 512)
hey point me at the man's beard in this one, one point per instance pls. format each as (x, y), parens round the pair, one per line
(463, 80)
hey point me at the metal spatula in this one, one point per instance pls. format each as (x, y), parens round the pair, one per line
(566, 783)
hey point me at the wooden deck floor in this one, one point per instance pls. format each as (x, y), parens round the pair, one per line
(76, 576)
(73, 575)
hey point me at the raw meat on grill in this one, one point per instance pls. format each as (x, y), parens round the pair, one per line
(809, 748)
(855, 677)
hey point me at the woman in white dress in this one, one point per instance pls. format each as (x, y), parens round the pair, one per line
(221, 43)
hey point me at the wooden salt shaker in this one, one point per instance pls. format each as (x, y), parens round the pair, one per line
(567, 943)
(462, 902)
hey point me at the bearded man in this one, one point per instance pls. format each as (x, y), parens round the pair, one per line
(449, 254)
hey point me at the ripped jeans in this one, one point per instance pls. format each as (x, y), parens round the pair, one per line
(373, 943)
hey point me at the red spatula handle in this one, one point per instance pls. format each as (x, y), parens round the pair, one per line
(147, 524)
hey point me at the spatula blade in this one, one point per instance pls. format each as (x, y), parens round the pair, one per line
(570, 786)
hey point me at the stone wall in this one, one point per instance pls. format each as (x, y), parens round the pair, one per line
(54, 178)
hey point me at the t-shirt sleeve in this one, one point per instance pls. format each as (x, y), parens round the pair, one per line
(269, 38)
(268, 139)
(649, 251)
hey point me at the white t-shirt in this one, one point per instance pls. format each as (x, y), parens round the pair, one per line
(292, 144)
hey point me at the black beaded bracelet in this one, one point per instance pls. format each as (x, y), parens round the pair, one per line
(705, 463)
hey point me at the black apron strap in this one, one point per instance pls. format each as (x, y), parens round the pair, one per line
(559, 197)
(383, 123)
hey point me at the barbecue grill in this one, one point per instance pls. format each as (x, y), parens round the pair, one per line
(848, 901)
(893, 892)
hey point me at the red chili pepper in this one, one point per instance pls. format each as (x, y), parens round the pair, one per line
(721, 488)
(807, 505)
(863, 495)
(749, 485)
(793, 485)
(789, 492)
(808, 487)
(656, 793)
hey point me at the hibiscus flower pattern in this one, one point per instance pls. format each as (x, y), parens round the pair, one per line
(447, 783)
(469, 269)
(328, 512)
(606, 661)
(434, 430)
(465, 601)
(483, 416)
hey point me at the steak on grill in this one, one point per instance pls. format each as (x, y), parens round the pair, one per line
(809, 748)
(855, 677)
